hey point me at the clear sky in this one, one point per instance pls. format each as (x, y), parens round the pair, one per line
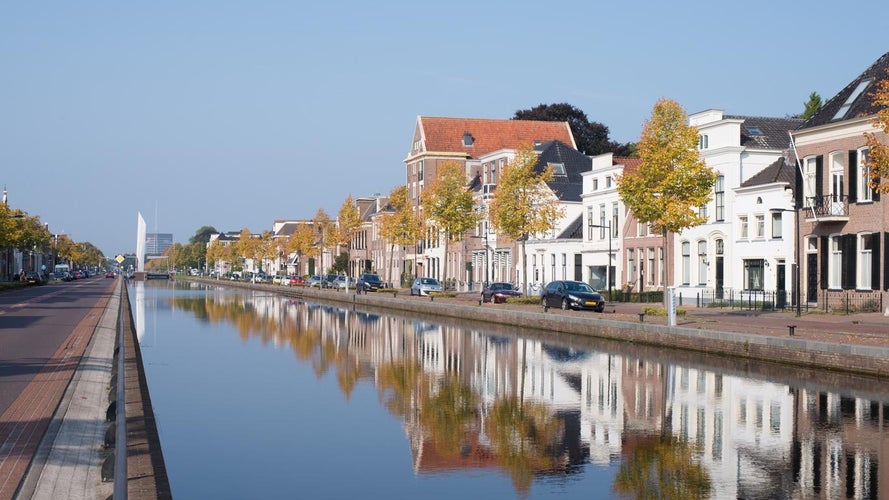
(234, 114)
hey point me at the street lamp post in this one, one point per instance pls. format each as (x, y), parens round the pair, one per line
(608, 282)
(797, 292)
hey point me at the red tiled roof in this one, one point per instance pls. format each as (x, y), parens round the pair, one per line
(630, 164)
(446, 134)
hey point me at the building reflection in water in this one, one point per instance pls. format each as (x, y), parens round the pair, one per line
(536, 408)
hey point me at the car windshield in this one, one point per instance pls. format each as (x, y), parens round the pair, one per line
(501, 286)
(573, 286)
(428, 281)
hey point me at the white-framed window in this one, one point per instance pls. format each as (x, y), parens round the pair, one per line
(651, 265)
(591, 221)
(595, 183)
(602, 233)
(702, 262)
(703, 141)
(835, 264)
(719, 198)
(837, 179)
(686, 263)
(760, 226)
(631, 266)
(777, 225)
(558, 169)
(641, 229)
(743, 226)
(865, 193)
(865, 260)
(809, 170)
(615, 223)
(754, 273)
(608, 181)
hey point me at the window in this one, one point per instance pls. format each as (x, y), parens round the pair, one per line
(558, 168)
(651, 265)
(602, 222)
(865, 193)
(702, 211)
(552, 261)
(777, 220)
(686, 263)
(865, 260)
(810, 169)
(760, 226)
(590, 221)
(753, 274)
(835, 267)
(641, 229)
(702, 262)
(743, 220)
(467, 139)
(719, 189)
(631, 266)
(420, 168)
(837, 173)
(703, 141)
(615, 213)
(841, 113)
(595, 183)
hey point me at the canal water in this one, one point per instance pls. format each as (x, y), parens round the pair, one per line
(258, 395)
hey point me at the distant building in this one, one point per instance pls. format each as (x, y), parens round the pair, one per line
(157, 243)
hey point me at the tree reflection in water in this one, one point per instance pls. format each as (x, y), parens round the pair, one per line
(661, 467)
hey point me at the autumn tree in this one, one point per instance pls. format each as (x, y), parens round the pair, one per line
(878, 155)
(400, 225)
(324, 228)
(218, 252)
(591, 137)
(348, 221)
(811, 106)
(302, 242)
(247, 246)
(523, 204)
(449, 204)
(672, 180)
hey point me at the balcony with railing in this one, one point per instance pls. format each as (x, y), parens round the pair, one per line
(827, 208)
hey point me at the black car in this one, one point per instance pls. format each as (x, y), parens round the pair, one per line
(369, 282)
(572, 295)
(33, 278)
(499, 292)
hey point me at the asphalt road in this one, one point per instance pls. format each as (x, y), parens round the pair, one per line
(34, 322)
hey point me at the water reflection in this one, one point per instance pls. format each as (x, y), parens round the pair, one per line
(540, 410)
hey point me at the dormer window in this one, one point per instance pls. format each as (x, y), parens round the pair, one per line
(467, 139)
(558, 168)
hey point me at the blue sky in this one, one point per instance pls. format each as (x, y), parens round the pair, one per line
(234, 114)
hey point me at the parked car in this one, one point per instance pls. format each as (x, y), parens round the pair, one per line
(369, 282)
(315, 281)
(109, 274)
(423, 286)
(33, 278)
(572, 295)
(499, 292)
(329, 281)
(294, 281)
(342, 282)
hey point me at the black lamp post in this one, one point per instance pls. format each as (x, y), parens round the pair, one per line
(796, 268)
(608, 282)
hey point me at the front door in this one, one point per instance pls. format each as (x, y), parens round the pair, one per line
(812, 277)
(780, 283)
(720, 276)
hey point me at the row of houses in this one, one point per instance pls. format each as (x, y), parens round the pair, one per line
(790, 213)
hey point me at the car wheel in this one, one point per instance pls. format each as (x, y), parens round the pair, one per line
(485, 299)
(543, 301)
(601, 309)
(565, 305)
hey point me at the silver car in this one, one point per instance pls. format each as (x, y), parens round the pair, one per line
(422, 286)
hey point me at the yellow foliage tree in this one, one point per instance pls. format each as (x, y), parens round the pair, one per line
(324, 228)
(302, 243)
(878, 154)
(400, 225)
(523, 204)
(450, 206)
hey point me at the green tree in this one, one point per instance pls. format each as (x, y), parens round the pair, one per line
(811, 106)
(449, 204)
(523, 204)
(672, 180)
(663, 468)
(878, 155)
(400, 225)
(203, 234)
(591, 137)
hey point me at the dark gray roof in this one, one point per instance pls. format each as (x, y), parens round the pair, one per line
(570, 186)
(782, 170)
(759, 132)
(862, 105)
(574, 231)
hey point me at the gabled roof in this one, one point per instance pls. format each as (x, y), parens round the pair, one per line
(759, 132)
(567, 187)
(855, 100)
(630, 164)
(440, 134)
(781, 170)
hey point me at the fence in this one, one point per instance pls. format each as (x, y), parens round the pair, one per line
(850, 301)
(845, 301)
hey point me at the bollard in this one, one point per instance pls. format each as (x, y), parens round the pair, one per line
(479, 301)
(791, 328)
(431, 298)
(642, 317)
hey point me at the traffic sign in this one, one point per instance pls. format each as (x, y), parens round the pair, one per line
(119, 259)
